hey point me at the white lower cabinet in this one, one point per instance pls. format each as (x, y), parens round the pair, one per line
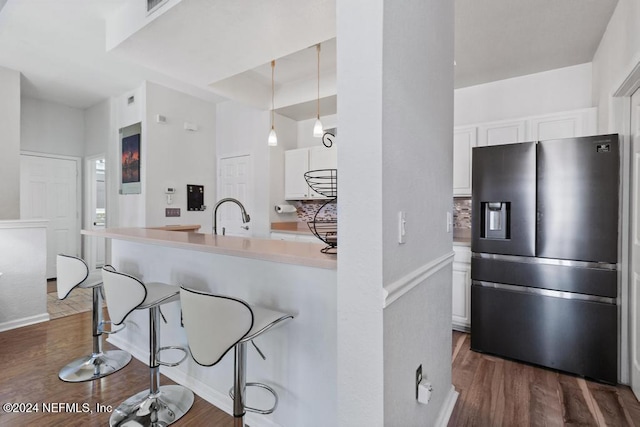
(461, 289)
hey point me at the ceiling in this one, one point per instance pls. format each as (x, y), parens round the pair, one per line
(220, 49)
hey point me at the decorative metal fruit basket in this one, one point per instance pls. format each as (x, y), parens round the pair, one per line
(325, 182)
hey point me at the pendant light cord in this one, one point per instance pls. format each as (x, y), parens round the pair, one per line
(318, 101)
(273, 66)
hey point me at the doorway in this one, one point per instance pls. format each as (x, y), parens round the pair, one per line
(95, 210)
(49, 191)
(236, 181)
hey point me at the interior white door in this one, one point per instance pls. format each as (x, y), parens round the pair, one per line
(95, 247)
(48, 190)
(236, 181)
(634, 306)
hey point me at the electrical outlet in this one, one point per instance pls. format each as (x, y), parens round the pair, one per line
(418, 379)
(171, 212)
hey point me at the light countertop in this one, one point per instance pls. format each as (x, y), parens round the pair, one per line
(462, 241)
(298, 253)
(295, 227)
(194, 227)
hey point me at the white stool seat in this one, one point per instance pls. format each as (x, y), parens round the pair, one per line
(263, 320)
(94, 279)
(159, 293)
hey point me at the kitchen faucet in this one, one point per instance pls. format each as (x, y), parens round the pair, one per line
(245, 216)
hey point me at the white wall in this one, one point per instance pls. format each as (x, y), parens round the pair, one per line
(23, 284)
(417, 157)
(130, 209)
(617, 58)
(10, 144)
(552, 91)
(97, 129)
(244, 130)
(49, 127)
(176, 157)
(617, 55)
(396, 112)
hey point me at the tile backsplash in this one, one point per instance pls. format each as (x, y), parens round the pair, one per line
(462, 213)
(307, 209)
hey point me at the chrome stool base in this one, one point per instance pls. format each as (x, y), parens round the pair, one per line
(161, 409)
(95, 366)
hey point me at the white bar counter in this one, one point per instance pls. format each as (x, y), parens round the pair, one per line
(299, 253)
(293, 277)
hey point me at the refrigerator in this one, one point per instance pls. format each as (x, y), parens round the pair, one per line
(544, 266)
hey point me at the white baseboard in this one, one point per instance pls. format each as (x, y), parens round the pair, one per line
(25, 321)
(447, 408)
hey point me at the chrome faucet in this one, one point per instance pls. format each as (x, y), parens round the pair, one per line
(245, 216)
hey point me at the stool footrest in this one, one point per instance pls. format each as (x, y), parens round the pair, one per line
(257, 410)
(172, 347)
(102, 330)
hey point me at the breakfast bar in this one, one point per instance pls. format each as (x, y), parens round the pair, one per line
(293, 277)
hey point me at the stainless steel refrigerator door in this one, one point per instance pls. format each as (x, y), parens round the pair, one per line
(577, 212)
(504, 177)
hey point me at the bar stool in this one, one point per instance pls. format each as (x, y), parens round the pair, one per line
(241, 323)
(74, 273)
(159, 405)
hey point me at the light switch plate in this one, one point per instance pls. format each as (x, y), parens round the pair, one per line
(402, 221)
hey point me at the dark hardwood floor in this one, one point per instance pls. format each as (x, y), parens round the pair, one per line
(493, 391)
(498, 392)
(30, 358)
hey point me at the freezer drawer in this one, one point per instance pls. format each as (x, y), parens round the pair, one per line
(566, 334)
(560, 275)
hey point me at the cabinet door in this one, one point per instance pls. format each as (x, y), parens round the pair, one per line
(296, 163)
(323, 158)
(464, 139)
(461, 297)
(503, 132)
(567, 124)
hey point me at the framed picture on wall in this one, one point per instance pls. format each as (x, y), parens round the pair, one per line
(130, 160)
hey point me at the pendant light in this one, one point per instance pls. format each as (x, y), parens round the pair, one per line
(318, 130)
(273, 138)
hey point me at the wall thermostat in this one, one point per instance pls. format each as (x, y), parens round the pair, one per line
(170, 190)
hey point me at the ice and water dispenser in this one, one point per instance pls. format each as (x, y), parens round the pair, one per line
(495, 220)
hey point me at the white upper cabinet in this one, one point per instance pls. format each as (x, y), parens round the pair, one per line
(296, 163)
(464, 139)
(323, 158)
(563, 125)
(301, 160)
(502, 132)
